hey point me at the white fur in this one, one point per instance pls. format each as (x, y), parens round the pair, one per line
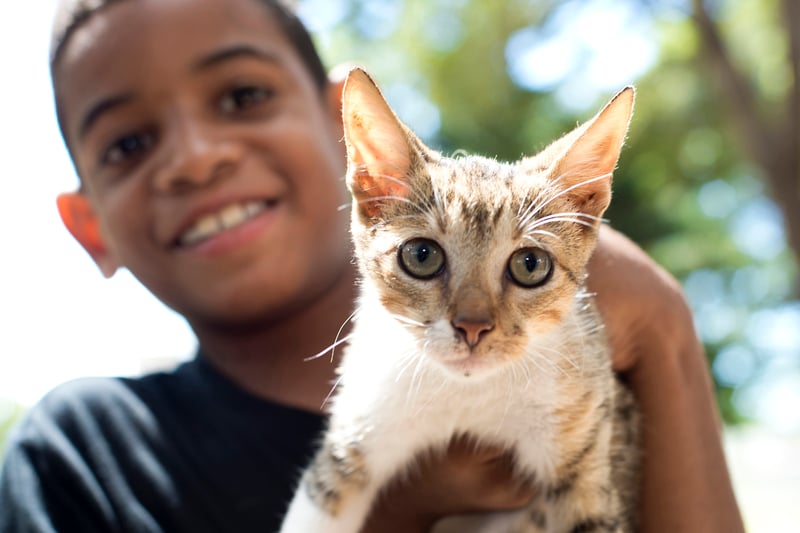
(400, 406)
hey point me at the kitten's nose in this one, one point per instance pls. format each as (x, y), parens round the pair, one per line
(471, 330)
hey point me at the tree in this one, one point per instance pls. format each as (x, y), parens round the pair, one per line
(10, 414)
(767, 120)
(693, 183)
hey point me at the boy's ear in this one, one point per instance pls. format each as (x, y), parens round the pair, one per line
(81, 221)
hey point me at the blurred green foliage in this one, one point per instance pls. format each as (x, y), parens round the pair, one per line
(10, 414)
(685, 189)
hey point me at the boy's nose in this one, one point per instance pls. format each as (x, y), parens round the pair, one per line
(196, 157)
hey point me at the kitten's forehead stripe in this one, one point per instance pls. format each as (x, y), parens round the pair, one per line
(479, 215)
(498, 214)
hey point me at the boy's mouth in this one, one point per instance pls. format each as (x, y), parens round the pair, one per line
(228, 217)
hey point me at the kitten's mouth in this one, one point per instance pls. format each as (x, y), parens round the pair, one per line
(470, 365)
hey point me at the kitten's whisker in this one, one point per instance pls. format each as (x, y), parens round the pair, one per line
(394, 179)
(509, 398)
(530, 234)
(341, 328)
(532, 208)
(577, 214)
(416, 377)
(569, 189)
(563, 219)
(405, 361)
(333, 389)
(384, 198)
(330, 348)
(576, 218)
(526, 371)
(536, 358)
(407, 320)
(562, 355)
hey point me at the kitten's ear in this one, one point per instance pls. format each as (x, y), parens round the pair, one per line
(589, 154)
(378, 152)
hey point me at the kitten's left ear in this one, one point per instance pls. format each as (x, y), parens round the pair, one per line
(378, 153)
(590, 153)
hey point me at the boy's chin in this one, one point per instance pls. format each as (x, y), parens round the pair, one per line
(237, 319)
(249, 308)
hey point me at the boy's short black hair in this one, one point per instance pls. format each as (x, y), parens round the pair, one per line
(72, 14)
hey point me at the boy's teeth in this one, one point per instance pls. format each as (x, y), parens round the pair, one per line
(228, 217)
(232, 215)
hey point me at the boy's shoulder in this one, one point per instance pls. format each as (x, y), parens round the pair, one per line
(68, 452)
(78, 409)
(182, 403)
(125, 450)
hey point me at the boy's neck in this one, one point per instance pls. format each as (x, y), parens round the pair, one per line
(273, 362)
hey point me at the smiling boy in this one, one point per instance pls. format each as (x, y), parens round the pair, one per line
(206, 135)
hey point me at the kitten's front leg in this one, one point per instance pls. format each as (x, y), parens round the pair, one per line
(585, 498)
(335, 493)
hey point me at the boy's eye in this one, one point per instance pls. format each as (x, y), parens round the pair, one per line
(242, 98)
(127, 147)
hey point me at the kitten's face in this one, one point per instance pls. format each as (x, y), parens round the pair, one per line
(481, 265)
(481, 261)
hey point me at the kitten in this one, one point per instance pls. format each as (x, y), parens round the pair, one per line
(473, 319)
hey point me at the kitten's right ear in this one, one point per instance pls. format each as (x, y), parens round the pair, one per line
(586, 157)
(378, 152)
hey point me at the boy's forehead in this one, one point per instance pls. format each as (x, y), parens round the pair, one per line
(72, 13)
(120, 44)
(79, 24)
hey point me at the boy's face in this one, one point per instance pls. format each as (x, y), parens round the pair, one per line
(210, 159)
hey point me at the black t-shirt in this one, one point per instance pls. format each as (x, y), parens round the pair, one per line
(181, 451)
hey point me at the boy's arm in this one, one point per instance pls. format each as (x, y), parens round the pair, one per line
(686, 485)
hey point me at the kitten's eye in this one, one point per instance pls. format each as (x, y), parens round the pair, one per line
(530, 267)
(421, 258)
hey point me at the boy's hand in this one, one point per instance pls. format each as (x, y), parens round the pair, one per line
(465, 479)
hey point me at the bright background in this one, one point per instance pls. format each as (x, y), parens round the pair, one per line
(61, 320)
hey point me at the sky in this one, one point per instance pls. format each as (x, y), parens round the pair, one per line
(59, 318)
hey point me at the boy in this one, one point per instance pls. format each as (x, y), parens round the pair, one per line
(206, 135)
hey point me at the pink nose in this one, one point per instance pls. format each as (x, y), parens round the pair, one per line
(471, 330)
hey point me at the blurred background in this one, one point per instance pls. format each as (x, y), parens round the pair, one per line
(708, 183)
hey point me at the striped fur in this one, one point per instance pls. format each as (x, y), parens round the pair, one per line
(468, 349)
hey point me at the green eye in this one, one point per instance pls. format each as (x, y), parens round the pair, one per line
(530, 267)
(421, 258)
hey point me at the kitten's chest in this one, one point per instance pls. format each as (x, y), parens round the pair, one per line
(395, 390)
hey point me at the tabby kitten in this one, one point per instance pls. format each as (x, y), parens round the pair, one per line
(473, 319)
